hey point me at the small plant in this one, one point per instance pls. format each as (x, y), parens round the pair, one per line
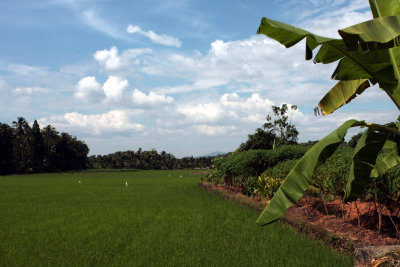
(266, 186)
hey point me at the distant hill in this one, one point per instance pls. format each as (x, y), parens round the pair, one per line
(214, 154)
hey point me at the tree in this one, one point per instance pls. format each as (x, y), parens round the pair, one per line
(354, 140)
(278, 130)
(281, 126)
(50, 138)
(368, 53)
(22, 151)
(6, 149)
(261, 139)
(37, 148)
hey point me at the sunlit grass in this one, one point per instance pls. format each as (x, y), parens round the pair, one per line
(53, 220)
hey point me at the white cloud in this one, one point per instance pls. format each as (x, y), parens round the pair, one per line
(226, 110)
(112, 121)
(210, 112)
(3, 84)
(111, 61)
(162, 39)
(152, 99)
(31, 91)
(88, 87)
(108, 58)
(212, 130)
(24, 70)
(92, 18)
(114, 87)
(253, 103)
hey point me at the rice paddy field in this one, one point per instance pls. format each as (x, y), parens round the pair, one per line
(93, 218)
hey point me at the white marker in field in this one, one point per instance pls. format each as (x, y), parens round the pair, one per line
(169, 175)
(126, 183)
(180, 176)
(80, 181)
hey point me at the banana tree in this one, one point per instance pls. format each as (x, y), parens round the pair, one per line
(367, 53)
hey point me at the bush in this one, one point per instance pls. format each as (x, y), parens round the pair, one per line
(329, 178)
(236, 168)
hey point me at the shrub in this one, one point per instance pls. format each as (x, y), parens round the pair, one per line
(236, 168)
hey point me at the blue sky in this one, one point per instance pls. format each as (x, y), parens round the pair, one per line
(187, 77)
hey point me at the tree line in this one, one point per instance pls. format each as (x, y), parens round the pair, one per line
(146, 160)
(26, 149)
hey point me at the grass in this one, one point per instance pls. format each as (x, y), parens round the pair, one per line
(53, 220)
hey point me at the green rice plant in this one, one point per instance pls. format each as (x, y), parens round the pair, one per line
(157, 220)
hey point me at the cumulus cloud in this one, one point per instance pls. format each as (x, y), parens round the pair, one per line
(152, 99)
(210, 112)
(114, 87)
(252, 63)
(89, 87)
(112, 121)
(112, 61)
(162, 39)
(229, 108)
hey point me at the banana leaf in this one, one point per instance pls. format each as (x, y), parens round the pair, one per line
(299, 178)
(364, 159)
(381, 8)
(379, 66)
(289, 35)
(389, 161)
(379, 33)
(343, 92)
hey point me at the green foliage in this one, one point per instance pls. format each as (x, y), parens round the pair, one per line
(261, 139)
(277, 131)
(300, 177)
(26, 149)
(281, 169)
(354, 140)
(331, 177)
(267, 186)
(146, 160)
(6, 149)
(253, 162)
(281, 125)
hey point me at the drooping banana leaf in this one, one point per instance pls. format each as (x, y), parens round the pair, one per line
(343, 92)
(299, 178)
(364, 159)
(389, 161)
(289, 35)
